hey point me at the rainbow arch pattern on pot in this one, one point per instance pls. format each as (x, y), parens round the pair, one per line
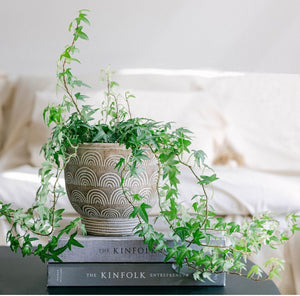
(117, 197)
(94, 158)
(85, 176)
(111, 180)
(110, 213)
(97, 196)
(91, 158)
(112, 160)
(74, 160)
(93, 186)
(78, 196)
(132, 182)
(91, 211)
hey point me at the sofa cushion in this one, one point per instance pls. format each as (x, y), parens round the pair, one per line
(192, 110)
(6, 89)
(239, 191)
(168, 79)
(14, 152)
(38, 132)
(262, 119)
(243, 191)
(18, 186)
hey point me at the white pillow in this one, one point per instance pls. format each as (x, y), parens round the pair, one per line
(242, 191)
(14, 151)
(195, 111)
(263, 122)
(38, 132)
(5, 92)
(161, 80)
(192, 110)
(258, 191)
(239, 191)
(25, 180)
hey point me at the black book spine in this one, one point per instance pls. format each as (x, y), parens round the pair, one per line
(122, 274)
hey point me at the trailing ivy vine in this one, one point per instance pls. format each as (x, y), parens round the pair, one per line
(195, 232)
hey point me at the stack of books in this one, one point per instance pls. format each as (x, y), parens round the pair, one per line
(118, 261)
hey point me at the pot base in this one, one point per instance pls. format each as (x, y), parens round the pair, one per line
(109, 227)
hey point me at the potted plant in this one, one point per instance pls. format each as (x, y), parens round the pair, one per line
(76, 141)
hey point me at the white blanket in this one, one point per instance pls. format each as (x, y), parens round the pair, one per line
(238, 193)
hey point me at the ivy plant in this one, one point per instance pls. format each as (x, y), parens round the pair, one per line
(195, 232)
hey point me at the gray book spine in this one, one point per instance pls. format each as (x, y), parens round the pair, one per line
(122, 274)
(112, 249)
(106, 250)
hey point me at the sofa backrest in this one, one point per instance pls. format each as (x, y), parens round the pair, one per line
(18, 118)
(6, 93)
(262, 114)
(238, 119)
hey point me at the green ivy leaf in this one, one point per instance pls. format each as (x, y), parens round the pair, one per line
(205, 180)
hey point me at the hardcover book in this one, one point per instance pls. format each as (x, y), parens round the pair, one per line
(123, 274)
(112, 249)
(120, 261)
(109, 249)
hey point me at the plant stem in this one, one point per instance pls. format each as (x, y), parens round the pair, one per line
(65, 83)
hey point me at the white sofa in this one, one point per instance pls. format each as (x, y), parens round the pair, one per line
(248, 124)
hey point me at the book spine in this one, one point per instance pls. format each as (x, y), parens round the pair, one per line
(114, 250)
(111, 251)
(122, 274)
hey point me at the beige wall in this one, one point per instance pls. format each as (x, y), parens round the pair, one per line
(238, 35)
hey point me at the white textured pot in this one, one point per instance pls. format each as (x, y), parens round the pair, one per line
(93, 188)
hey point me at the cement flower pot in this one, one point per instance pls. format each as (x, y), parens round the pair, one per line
(93, 188)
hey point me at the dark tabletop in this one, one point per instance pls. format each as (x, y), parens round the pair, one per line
(29, 276)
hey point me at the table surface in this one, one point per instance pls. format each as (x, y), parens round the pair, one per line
(28, 275)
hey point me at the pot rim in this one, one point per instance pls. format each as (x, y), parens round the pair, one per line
(102, 146)
(107, 146)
